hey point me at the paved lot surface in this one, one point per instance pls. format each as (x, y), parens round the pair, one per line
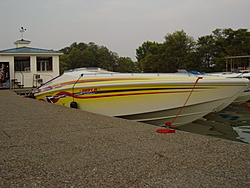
(46, 145)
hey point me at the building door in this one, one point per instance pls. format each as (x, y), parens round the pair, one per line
(4, 75)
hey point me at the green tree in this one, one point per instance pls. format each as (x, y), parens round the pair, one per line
(178, 46)
(230, 42)
(168, 56)
(141, 54)
(75, 58)
(125, 64)
(177, 51)
(206, 51)
(88, 55)
(106, 58)
(63, 65)
(87, 58)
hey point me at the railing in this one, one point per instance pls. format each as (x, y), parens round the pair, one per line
(15, 82)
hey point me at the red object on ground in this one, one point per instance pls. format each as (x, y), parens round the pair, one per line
(168, 124)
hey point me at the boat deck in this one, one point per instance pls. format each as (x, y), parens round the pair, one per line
(47, 145)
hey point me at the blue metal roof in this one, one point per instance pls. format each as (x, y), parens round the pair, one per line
(28, 50)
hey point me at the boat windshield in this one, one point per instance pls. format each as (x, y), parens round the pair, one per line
(89, 70)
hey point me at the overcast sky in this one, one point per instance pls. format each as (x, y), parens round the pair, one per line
(120, 25)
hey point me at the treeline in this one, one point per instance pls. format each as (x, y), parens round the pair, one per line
(178, 51)
(92, 55)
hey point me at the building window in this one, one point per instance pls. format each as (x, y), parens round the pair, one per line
(22, 63)
(44, 63)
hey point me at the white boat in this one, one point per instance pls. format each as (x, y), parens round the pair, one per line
(245, 96)
(144, 97)
(243, 132)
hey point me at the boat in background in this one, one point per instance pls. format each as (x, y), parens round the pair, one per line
(153, 98)
(237, 67)
(245, 96)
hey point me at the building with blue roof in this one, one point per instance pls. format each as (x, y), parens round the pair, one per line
(24, 66)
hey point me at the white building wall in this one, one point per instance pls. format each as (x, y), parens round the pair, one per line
(24, 77)
(56, 66)
(28, 78)
(48, 75)
(33, 63)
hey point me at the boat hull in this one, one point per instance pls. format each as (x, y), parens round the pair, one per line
(153, 100)
(245, 96)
